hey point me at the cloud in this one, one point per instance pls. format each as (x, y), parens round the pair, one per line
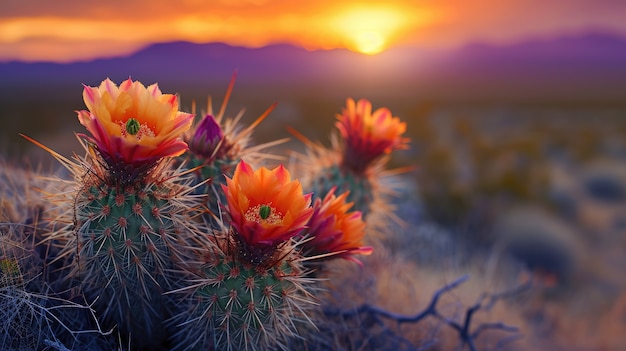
(117, 25)
(64, 50)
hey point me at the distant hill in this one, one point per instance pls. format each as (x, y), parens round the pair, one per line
(39, 99)
(589, 67)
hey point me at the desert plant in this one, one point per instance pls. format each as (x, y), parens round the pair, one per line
(216, 145)
(251, 292)
(356, 161)
(129, 213)
(202, 247)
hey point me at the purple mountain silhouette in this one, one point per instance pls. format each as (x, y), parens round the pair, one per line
(589, 67)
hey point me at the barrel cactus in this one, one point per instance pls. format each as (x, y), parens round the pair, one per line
(252, 291)
(356, 160)
(130, 211)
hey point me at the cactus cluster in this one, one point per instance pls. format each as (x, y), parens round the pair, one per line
(356, 161)
(174, 235)
(216, 145)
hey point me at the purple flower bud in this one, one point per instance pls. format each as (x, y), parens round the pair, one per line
(207, 137)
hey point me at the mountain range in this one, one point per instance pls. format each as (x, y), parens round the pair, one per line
(589, 67)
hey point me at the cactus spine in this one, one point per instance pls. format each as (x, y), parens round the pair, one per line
(237, 305)
(356, 160)
(130, 214)
(252, 292)
(130, 242)
(216, 145)
(127, 235)
(360, 185)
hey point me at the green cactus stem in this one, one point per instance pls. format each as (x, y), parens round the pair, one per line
(240, 306)
(359, 185)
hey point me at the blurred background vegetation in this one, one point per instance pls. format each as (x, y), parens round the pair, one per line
(535, 187)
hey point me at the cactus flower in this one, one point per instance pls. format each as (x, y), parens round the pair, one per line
(334, 229)
(133, 125)
(207, 137)
(266, 208)
(369, 135)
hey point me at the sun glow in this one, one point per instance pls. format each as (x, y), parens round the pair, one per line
(370, 30)
(369, 42)
(357, 26)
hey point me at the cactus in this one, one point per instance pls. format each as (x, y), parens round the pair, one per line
(360, 186)
(356, 161)
(237, 305)
(129, 237)
(130, 214)
(216, 145)
(252, 292)
(130, 244)
(37, 310)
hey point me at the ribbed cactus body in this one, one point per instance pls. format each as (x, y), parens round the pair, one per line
(213, 175)
(126, 241)
(238, 306)
(345, 179)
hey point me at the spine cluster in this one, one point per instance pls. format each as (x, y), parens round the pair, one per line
(174, 235)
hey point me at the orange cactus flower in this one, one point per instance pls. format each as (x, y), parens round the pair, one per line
(266, 208)
(335, 230)
(369, 135)
(133, 124)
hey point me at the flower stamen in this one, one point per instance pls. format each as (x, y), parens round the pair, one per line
(132, 126)
(265, 211)
(264, 214)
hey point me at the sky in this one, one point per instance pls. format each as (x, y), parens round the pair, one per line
(77, 30)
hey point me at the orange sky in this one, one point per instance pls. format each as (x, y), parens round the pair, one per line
(68, 30)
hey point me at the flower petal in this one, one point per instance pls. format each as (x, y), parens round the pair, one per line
(161, 125)
(368, 135)
(289, 209)
(334, 229)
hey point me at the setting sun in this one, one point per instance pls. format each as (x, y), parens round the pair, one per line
(76, 30)
(369, 43)
(369, 30)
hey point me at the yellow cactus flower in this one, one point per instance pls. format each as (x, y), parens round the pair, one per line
(133, 124)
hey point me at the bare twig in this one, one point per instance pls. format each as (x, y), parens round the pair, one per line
(467, 334)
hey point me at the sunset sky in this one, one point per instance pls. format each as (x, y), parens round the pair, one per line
(69, 30)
